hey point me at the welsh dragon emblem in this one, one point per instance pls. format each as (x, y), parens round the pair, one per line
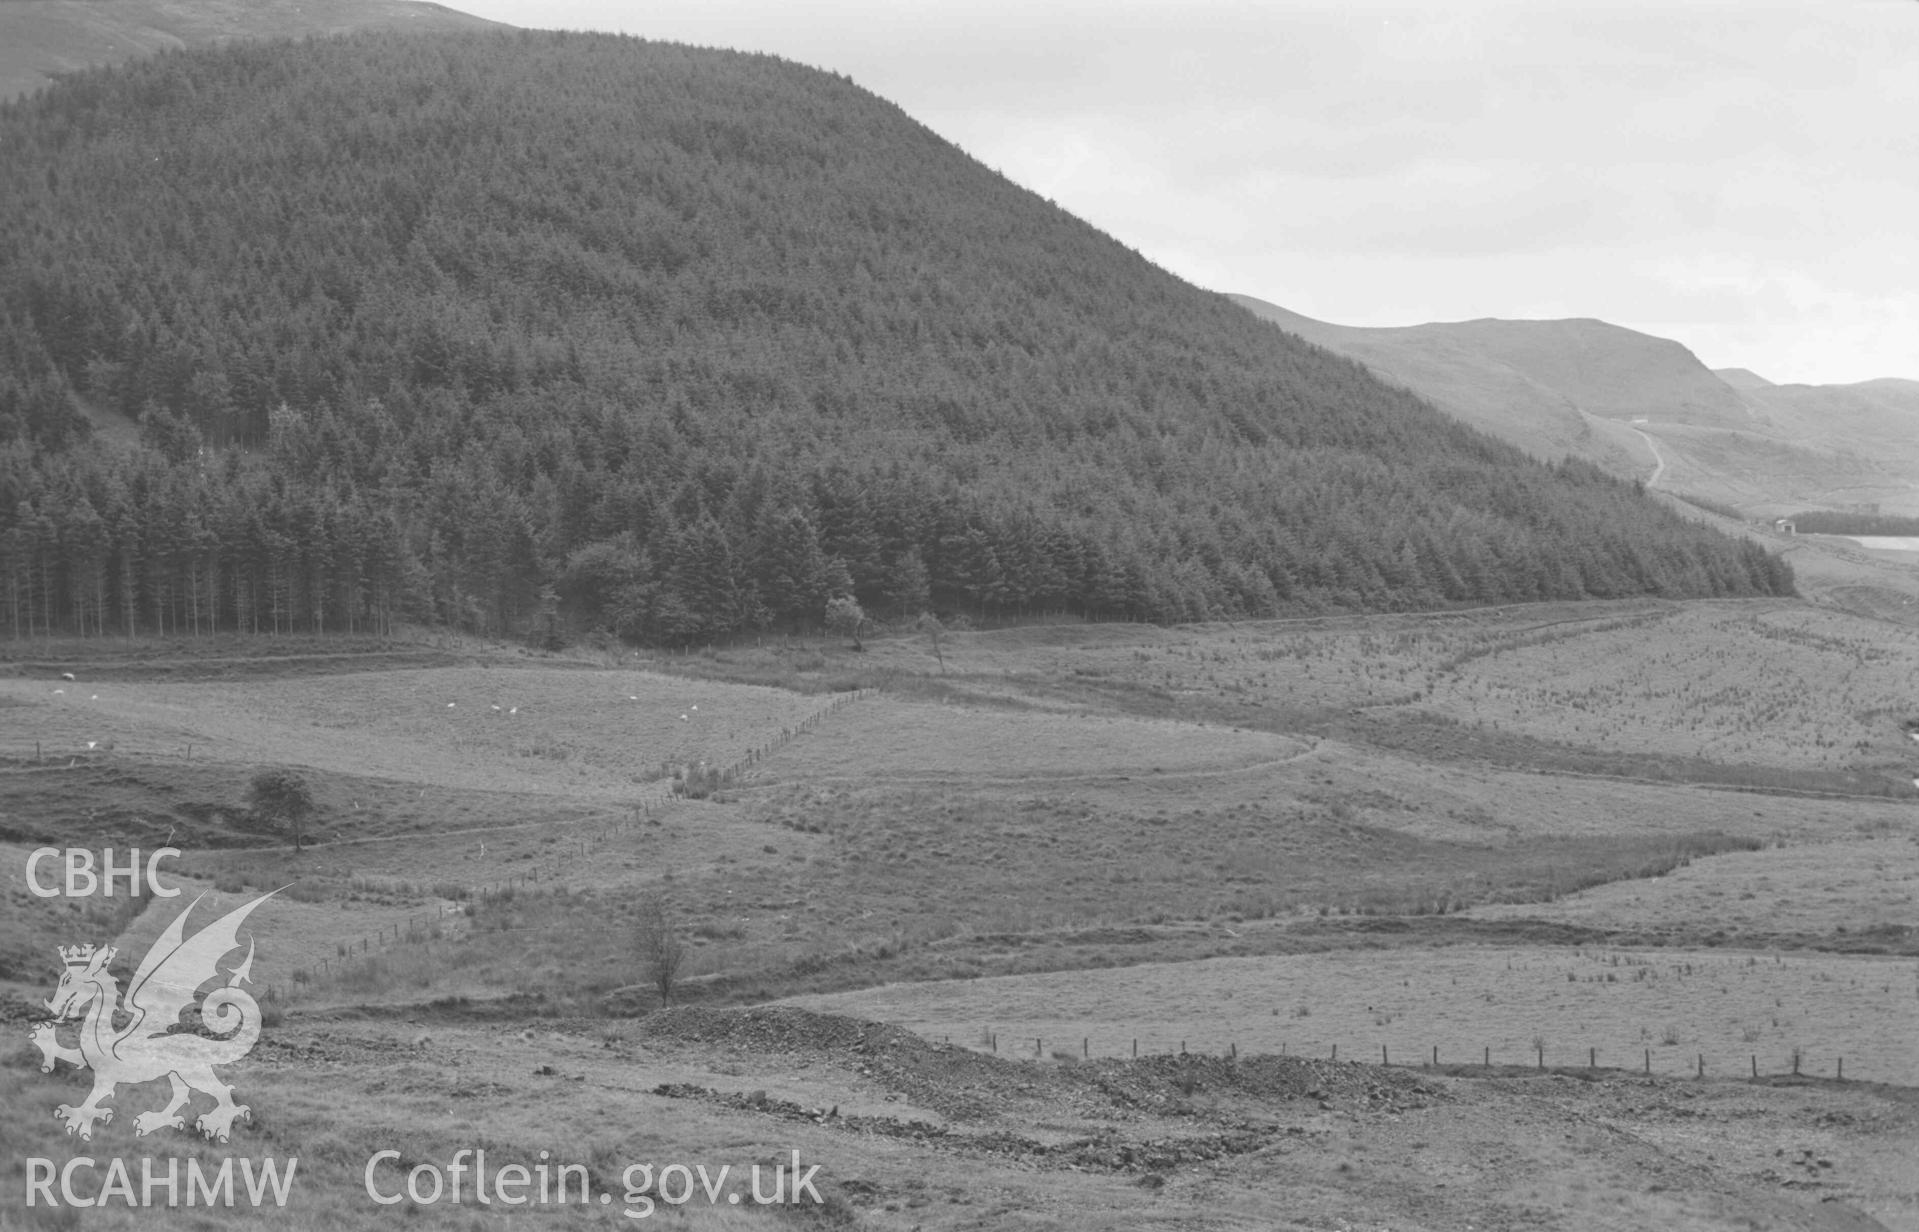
(146, 1048)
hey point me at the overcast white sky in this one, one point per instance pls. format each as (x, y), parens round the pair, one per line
(1740, 175)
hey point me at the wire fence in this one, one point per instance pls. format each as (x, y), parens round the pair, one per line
(1586, 1060)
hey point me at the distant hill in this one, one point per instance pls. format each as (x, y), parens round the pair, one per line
(1869, 416)
(1448, 368)
(1637, 405)
(530, 331)
(1742, 378)
(1575, 365)
(41, 39)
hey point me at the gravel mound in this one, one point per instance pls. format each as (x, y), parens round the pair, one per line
(951, 1080)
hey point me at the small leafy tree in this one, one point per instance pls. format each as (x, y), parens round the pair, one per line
(282, 798)
(662, 952)
(844, 616)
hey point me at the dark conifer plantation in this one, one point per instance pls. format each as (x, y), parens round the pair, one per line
(462, 328)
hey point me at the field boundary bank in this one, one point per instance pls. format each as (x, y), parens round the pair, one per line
(190, 670)
(935, 779)
(1807, 793)
(1643, 605)
(1336, 731)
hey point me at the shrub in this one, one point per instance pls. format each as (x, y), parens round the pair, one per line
(282, 799)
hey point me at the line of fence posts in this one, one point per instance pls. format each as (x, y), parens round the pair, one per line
(990, 1040)
(414, 934)
(731, 774)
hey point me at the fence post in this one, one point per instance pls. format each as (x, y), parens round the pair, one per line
(1842, 1069)
(1488, 1061)
(1435, 1054)
(1592, 1058)
(1335, 1052)
(1382, 1055)
(1136, 1048)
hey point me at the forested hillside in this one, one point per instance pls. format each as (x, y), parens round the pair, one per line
(528, 331)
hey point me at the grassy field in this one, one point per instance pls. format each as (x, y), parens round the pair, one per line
(1677, 1005)
(1593, 826)
(1785, 687)
(1051, 780)
(1863, 886)
(923, 1137)
(557, 731)
(909, 740)
(1766, 683)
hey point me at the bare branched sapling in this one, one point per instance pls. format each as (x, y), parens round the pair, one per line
(662, 952)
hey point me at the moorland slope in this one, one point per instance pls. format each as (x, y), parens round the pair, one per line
(1642, 406)
(41, 39)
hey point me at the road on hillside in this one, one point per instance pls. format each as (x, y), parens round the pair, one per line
(1659, 461)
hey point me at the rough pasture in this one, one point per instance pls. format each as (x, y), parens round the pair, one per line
(1858, 886)
(1762, 682)
(590, 734)
(906, 741)
(1726, 1005)
(1782, 686)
